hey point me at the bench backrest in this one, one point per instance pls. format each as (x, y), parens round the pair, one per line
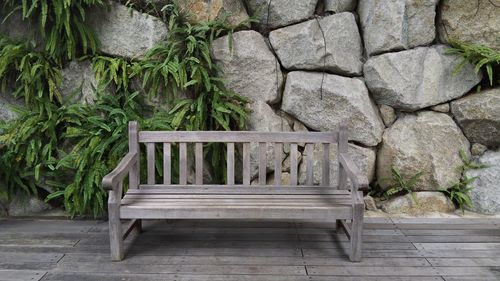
(245, 138)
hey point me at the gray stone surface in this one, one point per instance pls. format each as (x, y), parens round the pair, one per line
(339, 6)
(390, 25)
(418, 78)
(123, 32)
(264, 119)
(199, 11)
(364, 158)
(479, 116)
(250, 68)
(426, 202)
(345, 101)
(388, 115)
(78, 82)
(428, 142)
(277, 13)
(370, 204)
(22, 205)
(7, 102)
(478, 149)
(14, 27)
(301, 46)
(444, 108)
(476, 22)
(486, 193)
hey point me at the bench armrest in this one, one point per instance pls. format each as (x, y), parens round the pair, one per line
(111, 180)
(359, 181)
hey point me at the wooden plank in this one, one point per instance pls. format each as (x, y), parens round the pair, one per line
(293, 164)
(246, 163)
(150, 149)
(199, 163)
(452, 239)
(342, 148)
(17, 275)
(278, 159)
(111, 180)
(325, 165)
(236, 136)
(476, 262)
(230, 163)
(262, 163)
(167, 163)
(89, 276)
(238, 189)
(457, 246)
(6, 257)
(322, 198)
(397, 271)
(309, 164)
(133, 147)
(183, 163)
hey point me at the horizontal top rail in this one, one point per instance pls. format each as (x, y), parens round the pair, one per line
(237, 136)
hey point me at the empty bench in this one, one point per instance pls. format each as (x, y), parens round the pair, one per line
(339, 202)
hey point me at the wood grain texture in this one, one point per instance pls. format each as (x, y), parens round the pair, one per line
(150, 151)
(246, 163)
(262, 163)
(167, 163)
(293, 164)
(133, 147)
(278, 159)
(230, 163)
(199, 163)
(183, 163)
(309, 164)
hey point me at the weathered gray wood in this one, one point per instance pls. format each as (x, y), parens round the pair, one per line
(133, 147)
(357, 232)
(246, 163)
(262, 163)
(278, 159)
(115, 226)
(230, 163)
(342, 148)
(237, 189)
(325, 165)
(359, 180)
(111, 180)
(17, 275)
(199, 163)
(237, 136)
(309, 164)
(167, 163)
(182, 163)
(150, 149)
(293, 164)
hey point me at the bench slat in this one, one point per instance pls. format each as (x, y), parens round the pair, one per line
(278, 159)
(293, 164)
(167, 164)
(199, 162)
(262, 163)
(230, 163)
(150, 151)
(238, 189)
(182, 163)
(237, 137)
(246, 163)
(309, 163)
(325, 171)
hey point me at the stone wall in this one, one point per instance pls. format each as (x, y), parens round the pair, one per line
(379, 66)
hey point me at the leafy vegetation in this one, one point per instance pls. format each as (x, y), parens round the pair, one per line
(483, 58)
(459, 192)
(61, 23)
(399, 184)
(68, 148)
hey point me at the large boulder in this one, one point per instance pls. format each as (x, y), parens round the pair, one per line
(479, 116)
(250, 67)
(264, 119)
(277, 13)
(15, 27)
(338, 101)
(339, 6)
(426, 202)
(428, 142)
(476, 22)
(7, 104)
(78, 82)
(418, 78)
(364, 158)
(390, 25)
(199, 11)
(340, 51)
(124, 32)
(486, 193)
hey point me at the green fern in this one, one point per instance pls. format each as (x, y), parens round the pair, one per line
(399, 184)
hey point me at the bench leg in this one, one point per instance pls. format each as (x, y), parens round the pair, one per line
(115, 232)
(338, 226)
(357, 233)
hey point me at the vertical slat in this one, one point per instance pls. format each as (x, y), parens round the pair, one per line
(309, 164)
(278, 159)
(199, 162)
(325, 171)
(133, 146)
(246, 163)
(230, 163)
(182, 163)
(151, 162)
(342, 148)
(293, 164)
(262, 163)
(167, 163)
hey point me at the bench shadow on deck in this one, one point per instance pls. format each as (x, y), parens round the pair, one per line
(394, 249)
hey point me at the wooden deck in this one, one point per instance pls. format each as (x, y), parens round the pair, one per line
(394, 249)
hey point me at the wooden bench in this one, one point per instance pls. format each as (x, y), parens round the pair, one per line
(233, 200)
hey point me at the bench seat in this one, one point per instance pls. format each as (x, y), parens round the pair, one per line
(236, 203)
